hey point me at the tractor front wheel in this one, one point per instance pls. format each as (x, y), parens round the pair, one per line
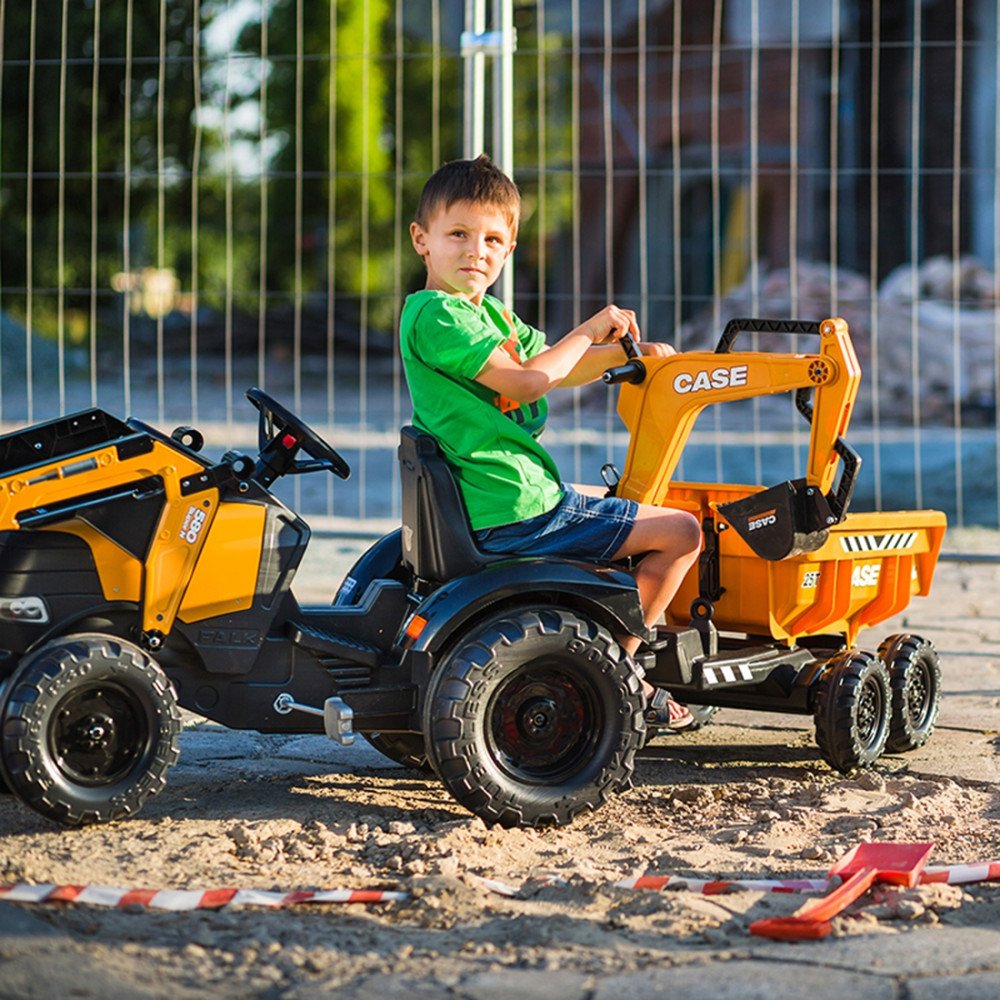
(852, 710)
(89, 729)
(4, 786)
(915, 680)
(535, 717)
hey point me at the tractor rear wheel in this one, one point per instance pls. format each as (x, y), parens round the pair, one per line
(89, 729)
(535, 717)
(915, 680)
(852, 710)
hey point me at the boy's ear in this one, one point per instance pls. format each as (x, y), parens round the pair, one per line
(417, 238)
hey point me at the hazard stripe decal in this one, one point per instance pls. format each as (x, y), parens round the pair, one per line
(878, 543)
(726, 674)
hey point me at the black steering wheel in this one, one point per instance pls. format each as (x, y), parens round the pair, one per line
(280, 435)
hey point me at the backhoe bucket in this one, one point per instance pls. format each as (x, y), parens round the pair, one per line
(785, 520)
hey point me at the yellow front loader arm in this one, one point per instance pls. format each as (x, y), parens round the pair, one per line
(661, 398)
(59, 493)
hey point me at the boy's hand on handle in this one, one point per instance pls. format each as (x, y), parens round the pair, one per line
(656, 349)
(611, 324)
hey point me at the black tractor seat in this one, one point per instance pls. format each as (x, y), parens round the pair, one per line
(437, 539)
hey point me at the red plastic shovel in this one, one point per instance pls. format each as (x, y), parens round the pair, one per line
(899, 864)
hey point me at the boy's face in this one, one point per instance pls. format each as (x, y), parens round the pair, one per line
(464, 248)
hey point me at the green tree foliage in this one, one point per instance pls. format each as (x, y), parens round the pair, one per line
(123, 140)
(310, 60)
(336, 67)
(327, 110)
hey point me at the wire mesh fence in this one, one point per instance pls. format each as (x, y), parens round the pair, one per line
(202, 195)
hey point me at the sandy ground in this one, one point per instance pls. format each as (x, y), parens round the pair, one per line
(747, 796)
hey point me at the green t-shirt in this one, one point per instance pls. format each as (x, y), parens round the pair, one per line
(502, 471)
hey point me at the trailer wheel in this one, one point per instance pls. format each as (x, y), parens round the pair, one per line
(408, 749)
(535, 717)
(915, 681)
(852, 710)
(89, 729)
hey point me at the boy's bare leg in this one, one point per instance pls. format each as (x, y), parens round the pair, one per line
(672, 539)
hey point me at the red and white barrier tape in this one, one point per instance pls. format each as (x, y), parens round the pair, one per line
(186, 899)
(716, 887)
(214, 899)
(987, 871)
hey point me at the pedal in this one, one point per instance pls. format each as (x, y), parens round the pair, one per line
(332, 644)
(670, 658)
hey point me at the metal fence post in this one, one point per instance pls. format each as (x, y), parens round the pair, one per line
(474, 51)
(476, 44)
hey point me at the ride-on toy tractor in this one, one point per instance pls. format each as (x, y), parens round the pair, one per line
(136, 575)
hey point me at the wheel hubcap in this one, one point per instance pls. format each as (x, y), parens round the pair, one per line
(98, 734)
(542, 725)
(539, 718)
(870, 713)
(918, 696)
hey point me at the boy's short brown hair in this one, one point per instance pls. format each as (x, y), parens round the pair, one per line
(479, 181)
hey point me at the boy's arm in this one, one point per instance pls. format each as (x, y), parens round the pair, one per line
(601, 357)
(559, 364)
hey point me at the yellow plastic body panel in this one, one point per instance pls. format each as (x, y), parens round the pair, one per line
(225, 577)
(868, 569)
(119, 571)
(185, 520)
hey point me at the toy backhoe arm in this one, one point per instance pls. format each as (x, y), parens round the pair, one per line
(660, 410)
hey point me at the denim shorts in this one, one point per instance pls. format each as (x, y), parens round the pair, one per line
(578, 527)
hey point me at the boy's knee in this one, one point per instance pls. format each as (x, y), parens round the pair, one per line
(687, 533)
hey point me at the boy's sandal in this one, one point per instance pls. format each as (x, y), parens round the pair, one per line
(665, 713)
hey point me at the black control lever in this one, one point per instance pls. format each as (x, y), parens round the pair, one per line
(633, 371)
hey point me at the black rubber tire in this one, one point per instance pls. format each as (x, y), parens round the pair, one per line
(915, 681)
(534, 717)
(5, 788)
(408, 749)
(89, 729)
(852, 710)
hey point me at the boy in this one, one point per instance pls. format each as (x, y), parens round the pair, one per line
(478, 378)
